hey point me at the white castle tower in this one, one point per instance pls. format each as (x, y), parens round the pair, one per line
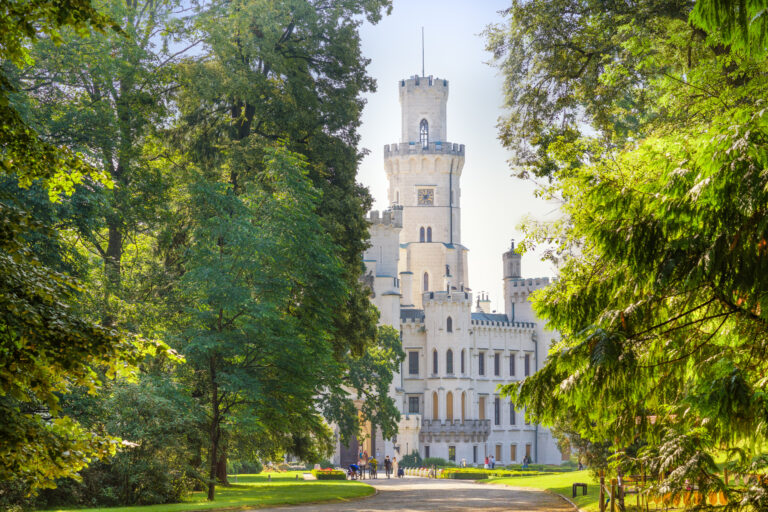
(424, 172)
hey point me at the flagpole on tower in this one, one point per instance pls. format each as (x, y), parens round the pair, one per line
(422, 51)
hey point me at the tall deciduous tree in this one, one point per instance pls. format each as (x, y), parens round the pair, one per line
(46, 346)
(662, 295)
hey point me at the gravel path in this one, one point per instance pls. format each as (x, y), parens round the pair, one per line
(421, 494)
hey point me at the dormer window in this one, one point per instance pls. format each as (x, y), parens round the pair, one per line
(424, 133)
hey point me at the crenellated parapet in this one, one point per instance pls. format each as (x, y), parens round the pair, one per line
(443, 297)
(392, 217)
(399, 149)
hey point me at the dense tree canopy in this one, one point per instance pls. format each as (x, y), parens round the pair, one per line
(647, 120)
(201, 162)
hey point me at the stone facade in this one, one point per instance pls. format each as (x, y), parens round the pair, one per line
(417, 268)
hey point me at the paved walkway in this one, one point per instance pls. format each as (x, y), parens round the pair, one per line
(413, 494)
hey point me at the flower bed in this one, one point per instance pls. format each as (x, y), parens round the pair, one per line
(329, 474)
(481, 474)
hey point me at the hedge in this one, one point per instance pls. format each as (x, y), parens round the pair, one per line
(462, 475)
(329, 474)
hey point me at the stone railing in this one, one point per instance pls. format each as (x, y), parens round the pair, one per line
(456, 430)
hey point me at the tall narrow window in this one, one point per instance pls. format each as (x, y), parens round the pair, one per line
(429, 234)
(497, 364)
(449, 406)
(413, 363)
(474, 454)
(496, 411)
(511, 364)
(435, 406)
(449, 324)
(424, 133)
(462, 361)
(434, 362)
(527, 364)
(481, 363)
(512, 452)
(512, 415)
(426, 282)
(421, 234)
(463, 406)
(449, 362)
(481, 408)
(413, 404)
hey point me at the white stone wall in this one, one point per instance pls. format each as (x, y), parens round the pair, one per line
(423, 98)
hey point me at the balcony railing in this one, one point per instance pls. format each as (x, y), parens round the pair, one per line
(467, 430)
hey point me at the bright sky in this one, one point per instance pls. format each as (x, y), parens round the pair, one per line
(493, 202)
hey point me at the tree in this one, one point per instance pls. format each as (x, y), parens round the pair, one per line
(261, 280)
(661, 296)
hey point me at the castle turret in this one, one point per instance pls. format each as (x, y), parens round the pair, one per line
(381, 261)
(423, 172)
(517, 290)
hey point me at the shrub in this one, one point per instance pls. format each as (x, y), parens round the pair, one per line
(329, 474)
(436, 461)
(464, 474)
(412, 460)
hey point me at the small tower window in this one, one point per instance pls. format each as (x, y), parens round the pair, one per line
(449, 324)
(424, 133)
(449, 362)
(426, 282)
(434, 362)
(429, 234)
(421, 234)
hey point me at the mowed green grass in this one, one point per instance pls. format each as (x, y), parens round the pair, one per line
(255, 491)
(560, 483)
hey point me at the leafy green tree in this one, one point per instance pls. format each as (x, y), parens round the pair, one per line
(46, 346)
(661, 297)
(261, 281)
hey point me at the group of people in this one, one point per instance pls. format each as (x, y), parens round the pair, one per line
(391, 467)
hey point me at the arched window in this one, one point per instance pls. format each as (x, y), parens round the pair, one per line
(421, 234)
(449, 362)
(426, 282)
(449, 324)
(449, 406)
(462, 361)
(434, 362)
(435, 406)
(424, 133)
(429, 234)
(463, 405)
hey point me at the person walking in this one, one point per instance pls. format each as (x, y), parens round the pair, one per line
(388, 466)
(493, 462)
(487, 463)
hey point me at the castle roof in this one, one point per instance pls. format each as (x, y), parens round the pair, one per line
(489, 317)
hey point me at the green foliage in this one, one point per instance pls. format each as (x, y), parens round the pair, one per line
(411, 460)
(329, 474)
(661, 301)
(436, 461)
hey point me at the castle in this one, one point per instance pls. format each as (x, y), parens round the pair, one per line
(417, 269)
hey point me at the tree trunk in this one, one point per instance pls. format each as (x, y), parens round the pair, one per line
(214, 434)
(112, 269)
(221, 468)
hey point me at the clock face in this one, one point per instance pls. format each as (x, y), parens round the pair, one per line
(426, 196)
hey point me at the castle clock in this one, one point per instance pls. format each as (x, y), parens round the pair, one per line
(426, 196)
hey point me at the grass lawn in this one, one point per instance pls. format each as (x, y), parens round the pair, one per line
(255, 491)
(559, 483)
